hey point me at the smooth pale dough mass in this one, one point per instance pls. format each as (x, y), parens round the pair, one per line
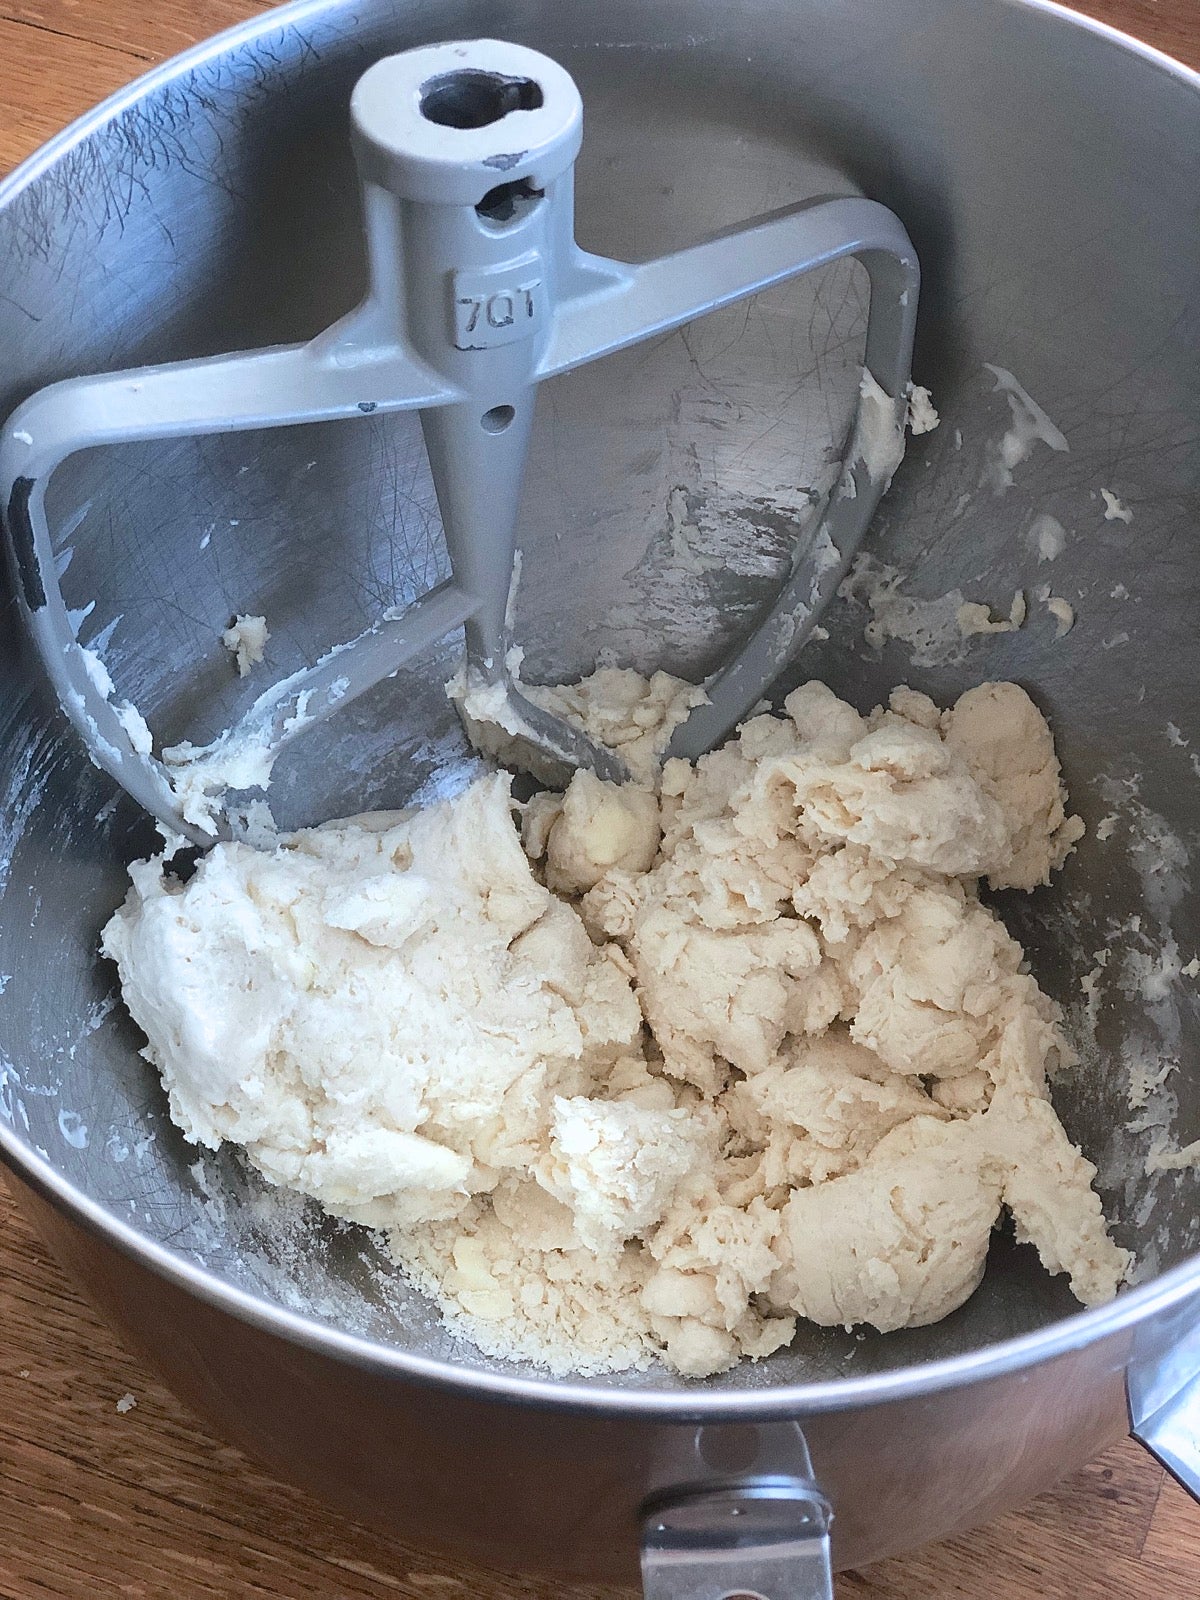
(708, 1054)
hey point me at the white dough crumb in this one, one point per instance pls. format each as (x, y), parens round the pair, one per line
(126, 1403)
(1114, 510)
(1046, 538)
(246, 640)
(680, 1062)
(1063, 613)
(922, 415)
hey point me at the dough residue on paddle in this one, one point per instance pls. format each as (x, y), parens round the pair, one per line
(660, 1068)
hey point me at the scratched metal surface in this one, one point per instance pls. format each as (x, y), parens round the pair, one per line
(218, 211)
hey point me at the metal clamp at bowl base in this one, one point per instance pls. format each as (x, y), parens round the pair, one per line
(757, 1539)
(1164, 1407)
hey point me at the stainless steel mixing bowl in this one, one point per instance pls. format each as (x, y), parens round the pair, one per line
(1049, 173)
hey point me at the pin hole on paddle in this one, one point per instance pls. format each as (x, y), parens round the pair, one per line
(472, 98)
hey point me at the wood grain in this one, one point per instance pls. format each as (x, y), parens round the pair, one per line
(1170, 25)
(146, 1504)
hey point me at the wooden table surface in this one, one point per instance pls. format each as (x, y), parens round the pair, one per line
(101, 1498)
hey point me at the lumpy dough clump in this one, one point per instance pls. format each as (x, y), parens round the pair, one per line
(731, 1045)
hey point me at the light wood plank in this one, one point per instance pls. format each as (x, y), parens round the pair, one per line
(49, 79)
(1110, 1501)
(1170, 25)
(151, 31)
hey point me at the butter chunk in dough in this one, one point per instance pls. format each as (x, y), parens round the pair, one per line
(593, 829)
(615, 1165)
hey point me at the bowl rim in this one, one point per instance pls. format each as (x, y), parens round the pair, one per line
(1005, 1357)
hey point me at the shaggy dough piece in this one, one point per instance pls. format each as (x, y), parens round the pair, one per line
(1008, 748)
(632, 715)
(380, 1011)
(899, 1243)
(933, 985)
(1047, 1187)
(820, 1109)
(899, 788)
(864, 825)
(246, 640)
(714, 1255)
(754, 1050)
(592, 829)
(616, 1165)
(717, 998)
(876, 829)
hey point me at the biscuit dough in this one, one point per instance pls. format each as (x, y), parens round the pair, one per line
(734, 1044)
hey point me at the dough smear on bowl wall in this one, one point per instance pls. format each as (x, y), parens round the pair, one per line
(718, 1049)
